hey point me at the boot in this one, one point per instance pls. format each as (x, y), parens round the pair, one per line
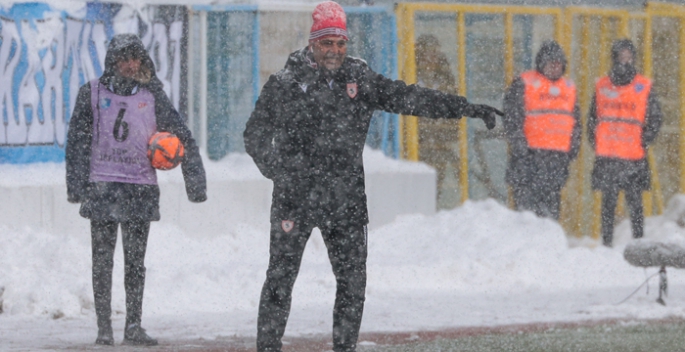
(105, 335)
(136, 336)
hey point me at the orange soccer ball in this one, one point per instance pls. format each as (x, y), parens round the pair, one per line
(165, 151)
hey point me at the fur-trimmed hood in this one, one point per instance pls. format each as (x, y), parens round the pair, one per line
(128, 45)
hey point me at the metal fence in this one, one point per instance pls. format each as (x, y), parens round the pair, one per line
(488, 46)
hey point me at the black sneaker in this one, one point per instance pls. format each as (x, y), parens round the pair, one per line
(136, 336)
(105, 336)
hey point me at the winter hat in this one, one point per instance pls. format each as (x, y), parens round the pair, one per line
(329, 20)
(620, 45)
(550, 51)
(622, 74)
(128, 46)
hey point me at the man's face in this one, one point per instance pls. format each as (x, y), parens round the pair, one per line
(128, 67)
(330, 52)
(553, 70)
(625, 57)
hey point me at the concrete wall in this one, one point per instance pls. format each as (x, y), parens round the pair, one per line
(231, 203)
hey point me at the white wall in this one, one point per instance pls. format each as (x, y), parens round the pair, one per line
(231, 202)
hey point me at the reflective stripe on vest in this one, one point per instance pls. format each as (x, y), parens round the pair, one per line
(621, 115)
(549, 108)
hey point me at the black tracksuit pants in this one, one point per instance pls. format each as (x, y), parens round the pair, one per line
(542, 199)
(637, 217)
(134, 239)
(347, 250)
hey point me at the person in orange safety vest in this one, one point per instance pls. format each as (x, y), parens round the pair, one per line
(624, 119)
(542, 125)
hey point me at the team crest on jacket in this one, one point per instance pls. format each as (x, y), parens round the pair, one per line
(352, 90)
(287, 225)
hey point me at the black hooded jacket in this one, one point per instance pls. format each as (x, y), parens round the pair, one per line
(308, 136)
(613, 173)
(534, 166)
(114, 201)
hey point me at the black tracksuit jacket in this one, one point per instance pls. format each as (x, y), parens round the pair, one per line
(308, 135)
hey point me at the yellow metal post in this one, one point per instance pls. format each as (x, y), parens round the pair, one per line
(655, 9)
(509, 73)
(681, 131)
(585, 96)
(647, 197)
(401, 14)
(624, 29)
(656, 185)
(509, 47)
(604, 54)
(411, 124)
(463, 125)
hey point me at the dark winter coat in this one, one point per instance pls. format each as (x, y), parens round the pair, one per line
(114, 201)
(308, 137)
(613, 173)
(534, 166)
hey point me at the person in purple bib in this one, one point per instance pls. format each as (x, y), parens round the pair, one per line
(108, 172)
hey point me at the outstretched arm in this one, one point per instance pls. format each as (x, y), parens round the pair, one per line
(400, 98)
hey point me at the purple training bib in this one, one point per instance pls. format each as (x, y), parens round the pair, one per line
(122, 128)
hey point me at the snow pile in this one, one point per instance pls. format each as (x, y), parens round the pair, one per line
(479, 264)
(44, 274)
(484, 246)
(480, 247)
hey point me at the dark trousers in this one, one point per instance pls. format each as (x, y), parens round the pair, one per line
(134, 236)
(637, 217)
(542, 199)
(347, 249)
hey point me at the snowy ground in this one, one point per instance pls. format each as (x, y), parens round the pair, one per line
(478, 265)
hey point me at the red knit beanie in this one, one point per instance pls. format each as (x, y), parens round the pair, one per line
(329, 20)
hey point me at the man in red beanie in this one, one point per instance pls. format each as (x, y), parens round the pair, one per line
(307, 134)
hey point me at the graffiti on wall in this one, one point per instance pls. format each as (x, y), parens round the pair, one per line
(46, 55)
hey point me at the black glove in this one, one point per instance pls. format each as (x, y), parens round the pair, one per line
(196, 193)
(198, 198)
(484, 112)
(78, 194)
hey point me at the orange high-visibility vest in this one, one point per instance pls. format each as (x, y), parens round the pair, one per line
(621, 113)
(549, 108)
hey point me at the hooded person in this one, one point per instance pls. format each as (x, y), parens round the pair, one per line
(307, 134)
(624, 119)
(542, 125)
(108, 172)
